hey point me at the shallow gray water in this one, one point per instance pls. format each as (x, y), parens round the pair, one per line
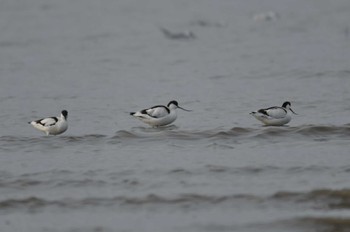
(216, 168)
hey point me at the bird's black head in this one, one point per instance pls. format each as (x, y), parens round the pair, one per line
(65, 113)
(176, 105)
(285, 104)
(173, 102)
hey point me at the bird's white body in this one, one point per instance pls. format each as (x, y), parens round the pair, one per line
(52, 125)
(158, 115)
(274, 116)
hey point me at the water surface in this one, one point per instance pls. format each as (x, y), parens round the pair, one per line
(216, 168)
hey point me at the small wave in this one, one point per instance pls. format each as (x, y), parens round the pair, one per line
(305, 131)
(253, 170)
(234, 132)
(17, 139)
(124, 134)
(54, 178)
(84, 138)
(33, 203)
(326, 223)
(166, 132)
(79, 183)
(180, 171)
(310, 132)
(309, 224)
(7, 142)
(328, 198)
(100, 178)
(21, 183)
(50, 173)
(29, 183)
(323, 130)
(314, 131)
(318, 199)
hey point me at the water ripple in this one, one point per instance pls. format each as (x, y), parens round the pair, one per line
(305, 131)
(319, 199)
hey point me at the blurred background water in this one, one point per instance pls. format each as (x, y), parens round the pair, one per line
(216, 168)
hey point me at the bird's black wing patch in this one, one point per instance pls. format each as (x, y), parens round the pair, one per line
(44, 121)
(166, 108)
(158, 106)
(263, 111)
